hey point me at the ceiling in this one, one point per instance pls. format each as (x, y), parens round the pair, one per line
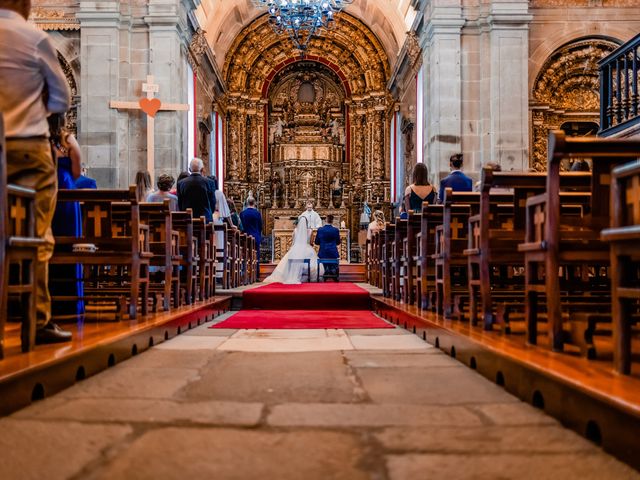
(224, 19)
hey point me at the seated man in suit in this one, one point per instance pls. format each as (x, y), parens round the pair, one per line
(195, 192)
(328, 237)
(456, 180)
(85, 182)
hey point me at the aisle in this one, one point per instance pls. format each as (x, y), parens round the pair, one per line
(293, 404)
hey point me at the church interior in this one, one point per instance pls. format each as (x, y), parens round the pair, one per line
(463, 177)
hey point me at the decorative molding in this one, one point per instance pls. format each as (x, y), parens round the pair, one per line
(50, 20)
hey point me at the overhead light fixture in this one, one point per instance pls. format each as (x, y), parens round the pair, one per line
(301, 19)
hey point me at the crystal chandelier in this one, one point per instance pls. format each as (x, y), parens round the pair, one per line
(301, 19)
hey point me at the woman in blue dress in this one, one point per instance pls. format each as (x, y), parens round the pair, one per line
(66, 280)
(420, 189)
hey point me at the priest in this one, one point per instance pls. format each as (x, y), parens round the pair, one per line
(313, 219)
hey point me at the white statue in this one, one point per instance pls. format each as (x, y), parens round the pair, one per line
(276, 130)
(335, 128)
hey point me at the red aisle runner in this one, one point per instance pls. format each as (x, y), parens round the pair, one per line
(307, 296)
(297, 319)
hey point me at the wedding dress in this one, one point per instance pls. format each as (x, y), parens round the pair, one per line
(291, 272)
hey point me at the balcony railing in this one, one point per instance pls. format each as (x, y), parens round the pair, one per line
(619, 79)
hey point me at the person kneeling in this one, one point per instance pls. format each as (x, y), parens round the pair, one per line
(328, 237)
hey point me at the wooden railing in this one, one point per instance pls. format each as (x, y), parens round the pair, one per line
(619, 79)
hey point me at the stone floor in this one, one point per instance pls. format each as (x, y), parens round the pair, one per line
(283, 404)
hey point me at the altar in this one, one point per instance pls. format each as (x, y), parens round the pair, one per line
(283, 238)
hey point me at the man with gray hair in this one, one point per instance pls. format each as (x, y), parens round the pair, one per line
(33, 87)
(195, 192)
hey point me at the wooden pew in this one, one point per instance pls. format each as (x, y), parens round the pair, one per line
(409, 257)
(204, 233)
(430, 218)
(386, 258)
(624, 240)
(163, 244)
(188, 254)
(493, 257)
(18, 253)
(400, 233)
(222, 254)
(450, 242)
(554, 240)
(119, 268)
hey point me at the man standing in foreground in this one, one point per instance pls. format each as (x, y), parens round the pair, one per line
(33, 87)
(252, 223)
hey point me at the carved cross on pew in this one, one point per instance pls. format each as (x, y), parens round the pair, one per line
(455, 228)
(476, 234)
(633, 199)
(97, 214)
(18, 214)
(150, 106)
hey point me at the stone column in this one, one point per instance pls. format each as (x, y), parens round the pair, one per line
(504, 131)
(442, 95)
(167, 27)
(102, 34)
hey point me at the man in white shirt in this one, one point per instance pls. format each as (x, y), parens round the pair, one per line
(313, 219)
(33, 87)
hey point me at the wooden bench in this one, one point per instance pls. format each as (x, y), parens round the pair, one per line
(119, 268)
(408, 259)
(494, 263)
(386, 258)
(188, 254)
(163, 244)
(18, 253)
(430, 218)
(624, 240)
(558, 244)
(204, 233)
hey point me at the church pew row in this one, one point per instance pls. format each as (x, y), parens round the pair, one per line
(481, 257)
(134, 257)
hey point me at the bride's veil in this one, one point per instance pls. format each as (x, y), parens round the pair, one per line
(300, 233)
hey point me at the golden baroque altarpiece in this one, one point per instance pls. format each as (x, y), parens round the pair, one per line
(310, 127)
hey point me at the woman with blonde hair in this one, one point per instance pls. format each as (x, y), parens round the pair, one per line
(376, 225)
(143, 185)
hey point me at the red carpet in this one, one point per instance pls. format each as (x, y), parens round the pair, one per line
(297, 319)
(307, 296)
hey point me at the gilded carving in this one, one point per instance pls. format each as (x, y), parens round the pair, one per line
(566, 89)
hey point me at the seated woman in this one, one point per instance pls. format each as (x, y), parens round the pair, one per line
(420, 190)
(165, 182)
(292, 267)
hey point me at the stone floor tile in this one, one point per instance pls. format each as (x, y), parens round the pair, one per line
(124, 382)
(207, 331)
(384, 359)
(33, 450)
(377, 331)
(368, 415)
(275, 345)
(485, 439)
(151, 411)
(388, 342)
(519, 413)
(438, 386)
(276, 378)
(192, 342)
(169, 358)
(222, 454)
(566, 466)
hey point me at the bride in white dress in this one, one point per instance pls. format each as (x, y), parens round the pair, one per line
(290, 272)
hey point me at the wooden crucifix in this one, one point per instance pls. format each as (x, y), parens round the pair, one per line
(150, 105)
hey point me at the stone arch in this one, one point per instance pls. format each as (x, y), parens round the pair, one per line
(565, 90)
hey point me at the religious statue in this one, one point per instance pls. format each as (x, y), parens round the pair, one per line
(276, 130)
(365, 216)
(336, 190)
(276, 189)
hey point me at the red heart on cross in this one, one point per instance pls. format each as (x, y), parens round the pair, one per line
(150, 106)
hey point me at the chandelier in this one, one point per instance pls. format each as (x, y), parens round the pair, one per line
(301, 19)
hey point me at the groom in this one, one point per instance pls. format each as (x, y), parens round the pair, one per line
(328, 237)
